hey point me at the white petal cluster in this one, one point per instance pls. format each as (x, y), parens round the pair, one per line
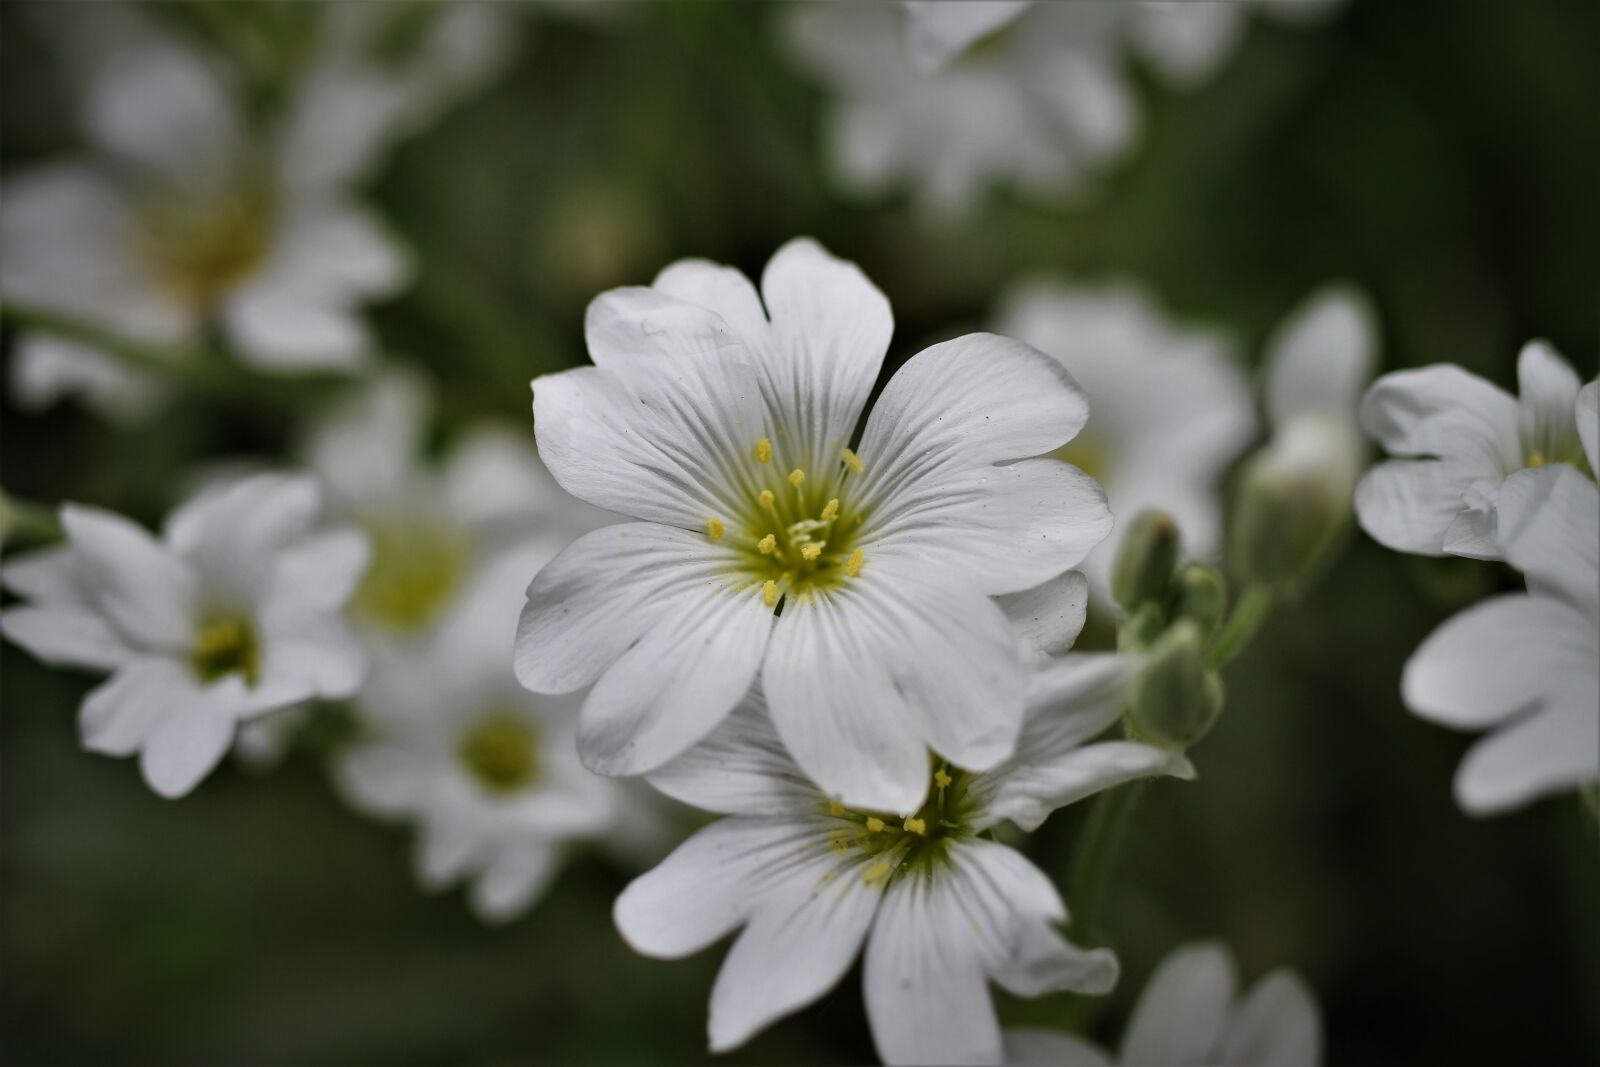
(942, 911)
(1191, 1013)
(232, 613)
(857, 581)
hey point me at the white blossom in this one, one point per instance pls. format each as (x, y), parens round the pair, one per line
(1457, 437)
(232, 613)
(857, 580)
(942, 910)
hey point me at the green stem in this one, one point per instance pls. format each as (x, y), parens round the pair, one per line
(1095, 862)
(1248, 614)
(25, 521)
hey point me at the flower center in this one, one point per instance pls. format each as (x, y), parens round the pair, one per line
(501, 753)
(202, 250)
(891, 844)
(226, 645)
(416, 567)
(797, 534)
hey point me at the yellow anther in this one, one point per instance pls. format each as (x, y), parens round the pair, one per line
(876, 871)
(839, 842)
(1536, 458)
(763, 451)
(797, 477)
(874, 824)
(830, 510)
(917, 826)
(942, 780)
(767, 544)
(767, 499)
(852, 566)
(835, 808)
(715, 529)
(769, 592)
(851, 460)
(810, 551)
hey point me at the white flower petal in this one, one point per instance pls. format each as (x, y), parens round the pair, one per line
(67, 636)
(858, 680)
(1027, 791)
(120, 714)
(1446, 412)
(318, 657)
(636, 328)
(143, 589)
(511, 883)
(382, 778)
(46, 574)
(1548, 751)
(1588, 417)
(366, 448)
(1547, 390)
(741, 768)
(1276, 1025)
(282, 327)
(1322, 355)
(191, 738)
(937, 32)
(44, 369)
(322, 571)
(446, 850)
(1183, 1012)
(716, 288)
(493, 475)
(1048, 617)
(1031, 1047)
(1549, 525)
(161, 106)
(1409, 504)
(234, 533)
(1187, 41)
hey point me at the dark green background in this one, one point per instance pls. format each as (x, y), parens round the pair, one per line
(1440, 153)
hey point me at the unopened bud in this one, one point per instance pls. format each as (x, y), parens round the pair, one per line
(1141, 629)
(1294, 501)
(1202, 597)
(1145, 560)
(1176, 700)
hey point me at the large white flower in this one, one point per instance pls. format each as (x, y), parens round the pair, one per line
(1191, 1014)
(1460, 437)
(942, 910)
(186, 214)
(857, 580)
(1169, 408)
(234, 612)
(489, 773)
(1526, 665)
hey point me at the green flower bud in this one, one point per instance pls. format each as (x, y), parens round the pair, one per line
(1176, 700)
(1202, 598)
(1142, 628)
(1294, 501)
(1145, 561)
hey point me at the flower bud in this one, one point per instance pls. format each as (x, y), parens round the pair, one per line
(1143, 628)
(1294, 501)
(1145, 561)
(1202, 598)
(1176, 700)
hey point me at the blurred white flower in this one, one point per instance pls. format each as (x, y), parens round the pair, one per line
(1169, 408)
(488, 772)
(234, 612)
(186, 213)
(729, 432)
(1191, 1014)
(1460, 437)
(942, 909)
(1526, 665)
(949, 96)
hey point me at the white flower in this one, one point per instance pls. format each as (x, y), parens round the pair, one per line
(1460, 437)
(856, 580)
(233, 613)
(489, 773)
(1169, 409)
(1191, 1014)
(1526, 666)
(942, 910)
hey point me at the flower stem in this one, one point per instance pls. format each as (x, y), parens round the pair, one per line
(25, 521)
(1095, 861)
(1248, 614)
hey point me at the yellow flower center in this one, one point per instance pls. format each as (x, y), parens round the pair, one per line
(918, 841)
(501, 752)
(226, 645)
(417, 565)
(202, 250)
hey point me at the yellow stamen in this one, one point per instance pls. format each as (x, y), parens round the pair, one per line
(917, 826)
(810, 552)
(830, 510)
(835, 808)
(767, 544)
(876, 871)
(763, 451)
(1536, 458)
(715, 529)
(769, 592)
(874, 824)
(839, 842)
(853, 566)
(767, 499)
(942, 780)
(797, 477)
(851, 460)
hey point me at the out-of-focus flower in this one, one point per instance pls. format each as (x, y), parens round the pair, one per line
(942, 909)
(1524, 665)
(1191, 1014)
(1460, 437)
(1294, 494)
(856, 580)
(1169, 408)
(234, 612)
(188, 213)
(488, 772)
(948, 96)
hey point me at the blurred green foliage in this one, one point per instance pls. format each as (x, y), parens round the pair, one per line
(1441, 155)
